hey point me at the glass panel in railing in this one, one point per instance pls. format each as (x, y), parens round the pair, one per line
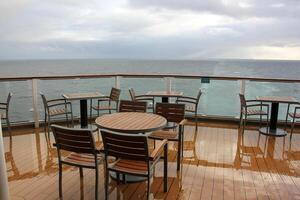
(20, 108)
(141, 86)
(254, 89)
(219, 97)
(56, 88)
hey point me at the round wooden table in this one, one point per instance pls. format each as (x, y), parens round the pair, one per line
(134, 123)
(131, 122)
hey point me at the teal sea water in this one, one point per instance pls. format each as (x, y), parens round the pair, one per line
(220, 97)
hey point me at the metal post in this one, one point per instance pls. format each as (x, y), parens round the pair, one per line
(243, 86)
(34, 103)
(168, 82)
(4, 192)
(117, 81)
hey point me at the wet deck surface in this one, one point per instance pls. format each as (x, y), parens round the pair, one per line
(219, 163)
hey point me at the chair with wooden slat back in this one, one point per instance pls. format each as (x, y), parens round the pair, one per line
(133, 157)
(56, 107)
(252, 108)
(82, 151)
(191, 104)
(105, 103)
(132, 106)
(5, 113)
(142, 98)
(173, 113)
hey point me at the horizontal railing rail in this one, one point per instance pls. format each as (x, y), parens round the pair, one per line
(148, 75)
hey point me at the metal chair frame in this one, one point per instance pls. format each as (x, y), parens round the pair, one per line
(191, 101)
(244, 108)
(293, 115)
(132, 148)
(174, 113)
(5, 107)
(113, 97)
(142, 98)
(79, 142)
(52, 104)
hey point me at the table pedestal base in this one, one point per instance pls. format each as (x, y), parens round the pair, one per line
(272, 132)
(128, 178)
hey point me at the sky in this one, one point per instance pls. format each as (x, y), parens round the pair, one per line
(150, 29)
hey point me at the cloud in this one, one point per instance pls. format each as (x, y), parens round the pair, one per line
(150, 29)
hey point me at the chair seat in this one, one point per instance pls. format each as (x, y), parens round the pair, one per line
(87, 160)
(169, 135)
(104, 107)
(294, 115)
(58, 111)
(255, 112)
(130, 166)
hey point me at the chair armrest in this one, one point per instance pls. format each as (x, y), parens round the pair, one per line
(254, 105)
(100, 148)
(187, 98)
(142, 97)
(183, 122)
(186, 101)
(59, 104)
(252, 100)
(158, 150)
(105, 98)
(56, 100)
(297, 108)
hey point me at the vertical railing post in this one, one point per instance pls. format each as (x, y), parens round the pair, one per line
(168, 82)
(243, 86)
(4, 192)
(117, 82)
(35, 102)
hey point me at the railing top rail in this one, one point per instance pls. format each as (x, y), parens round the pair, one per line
(149, 75)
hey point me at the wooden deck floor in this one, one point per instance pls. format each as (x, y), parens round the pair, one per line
(218, 164)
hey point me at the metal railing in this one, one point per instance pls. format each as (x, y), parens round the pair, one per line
(168, 79)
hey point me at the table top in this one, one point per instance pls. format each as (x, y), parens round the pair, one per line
(164, 94)
(82, 95)
(277, 99)
(131, 122)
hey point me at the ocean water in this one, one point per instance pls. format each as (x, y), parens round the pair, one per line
(219, 98)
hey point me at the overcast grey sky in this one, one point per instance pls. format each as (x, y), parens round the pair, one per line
(150, 29)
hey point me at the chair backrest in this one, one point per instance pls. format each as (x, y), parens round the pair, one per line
(173, 112)
(74, 140)
(8, 101)
(44, 102)
(114, 94)
(198, 96)
(132, 106)
(242, 100)
(132, 94)
(126, 146)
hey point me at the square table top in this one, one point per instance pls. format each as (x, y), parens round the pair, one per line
(82, 95)
(164, 94)
(277, 99)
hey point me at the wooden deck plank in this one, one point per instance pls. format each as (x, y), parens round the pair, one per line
(214, 167)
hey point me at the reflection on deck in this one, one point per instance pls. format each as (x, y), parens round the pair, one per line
(219, 163)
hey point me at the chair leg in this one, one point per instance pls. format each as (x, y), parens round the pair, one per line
(179, 149)
(244, 123)
(8, 126)
(60, 181)
(106, 182)
(166, 168)
(148, 187)
(196, 117)
(96, 182)
(292, 129)
(80, 172)
(241, 119)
